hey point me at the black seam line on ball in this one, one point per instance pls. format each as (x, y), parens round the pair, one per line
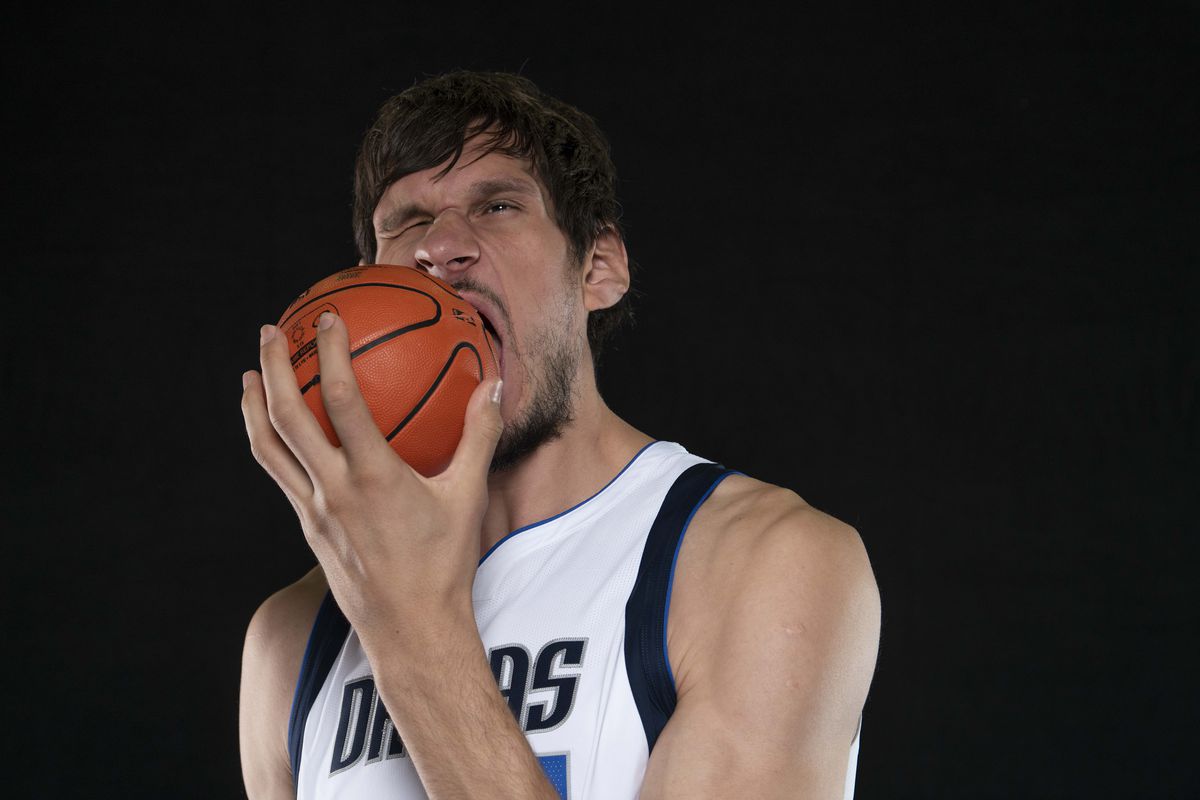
(437, 382)
(308, 303)
(387, 337)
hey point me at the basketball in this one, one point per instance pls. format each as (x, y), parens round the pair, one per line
(418, 351)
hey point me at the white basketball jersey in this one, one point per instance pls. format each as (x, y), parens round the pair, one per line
(572, 613)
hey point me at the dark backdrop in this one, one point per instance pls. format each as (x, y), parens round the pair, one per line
(935, 272)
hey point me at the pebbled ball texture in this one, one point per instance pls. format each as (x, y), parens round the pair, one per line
(417, 348)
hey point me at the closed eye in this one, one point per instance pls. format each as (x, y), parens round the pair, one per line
(396, 234)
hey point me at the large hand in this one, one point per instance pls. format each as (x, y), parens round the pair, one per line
(399, 550)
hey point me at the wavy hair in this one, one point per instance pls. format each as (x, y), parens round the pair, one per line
(430, 124)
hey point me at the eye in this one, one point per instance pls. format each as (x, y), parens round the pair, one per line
(396, 234)
(498, 206)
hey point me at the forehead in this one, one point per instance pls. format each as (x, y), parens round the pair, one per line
(475, 172)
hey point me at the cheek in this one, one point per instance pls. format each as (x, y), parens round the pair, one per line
(550, 320)
(390, 251)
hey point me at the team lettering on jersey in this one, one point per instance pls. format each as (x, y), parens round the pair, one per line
(366, 729)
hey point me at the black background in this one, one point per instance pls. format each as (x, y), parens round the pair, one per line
(934, 270)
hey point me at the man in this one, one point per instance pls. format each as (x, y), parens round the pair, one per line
(533, 622)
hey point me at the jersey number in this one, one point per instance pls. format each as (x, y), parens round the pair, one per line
(555, 768)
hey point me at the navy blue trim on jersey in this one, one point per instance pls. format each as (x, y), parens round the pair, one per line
(329, 633)
(646, 660)
(492, 549)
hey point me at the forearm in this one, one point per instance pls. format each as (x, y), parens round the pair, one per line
(459, 732)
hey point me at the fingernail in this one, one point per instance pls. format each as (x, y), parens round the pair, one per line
(266, 334)
(497, 390)
(325, 322)
(246, 379)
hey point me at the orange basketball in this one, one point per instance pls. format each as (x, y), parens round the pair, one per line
(417, 348)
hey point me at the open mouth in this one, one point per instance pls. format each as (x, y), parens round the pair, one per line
(489, 312)
(494, 336)
(488, 326)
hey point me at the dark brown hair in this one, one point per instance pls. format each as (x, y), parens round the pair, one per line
(431, 122)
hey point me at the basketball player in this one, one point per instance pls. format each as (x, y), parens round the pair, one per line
(572, 609)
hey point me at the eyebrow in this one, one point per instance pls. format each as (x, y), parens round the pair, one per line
(480, 190)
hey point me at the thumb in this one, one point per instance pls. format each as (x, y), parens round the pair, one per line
(481, 432)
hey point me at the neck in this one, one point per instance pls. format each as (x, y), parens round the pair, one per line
(564, 472)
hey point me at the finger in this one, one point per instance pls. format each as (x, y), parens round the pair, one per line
(481, 432)
(266, 446)
(352, 420)
(289, 415)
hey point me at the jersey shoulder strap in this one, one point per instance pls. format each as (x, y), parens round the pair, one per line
(646, 662)
(328, 636)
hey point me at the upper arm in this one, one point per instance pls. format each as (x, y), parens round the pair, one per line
(274, 648)
(773, 636)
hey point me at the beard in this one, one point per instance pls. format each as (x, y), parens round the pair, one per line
(550, 362)
(551, 407)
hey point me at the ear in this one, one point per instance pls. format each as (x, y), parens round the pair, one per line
(606, 271)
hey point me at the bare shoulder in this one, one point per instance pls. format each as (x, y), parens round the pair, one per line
(773, 599)
(288, 614)
(746, 519)
(275, 641)
(760, 555)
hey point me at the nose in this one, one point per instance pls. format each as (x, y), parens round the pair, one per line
(448, 248)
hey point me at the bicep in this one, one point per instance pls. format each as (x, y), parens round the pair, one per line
(770, 701)
(747, 749)
(274, 648)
